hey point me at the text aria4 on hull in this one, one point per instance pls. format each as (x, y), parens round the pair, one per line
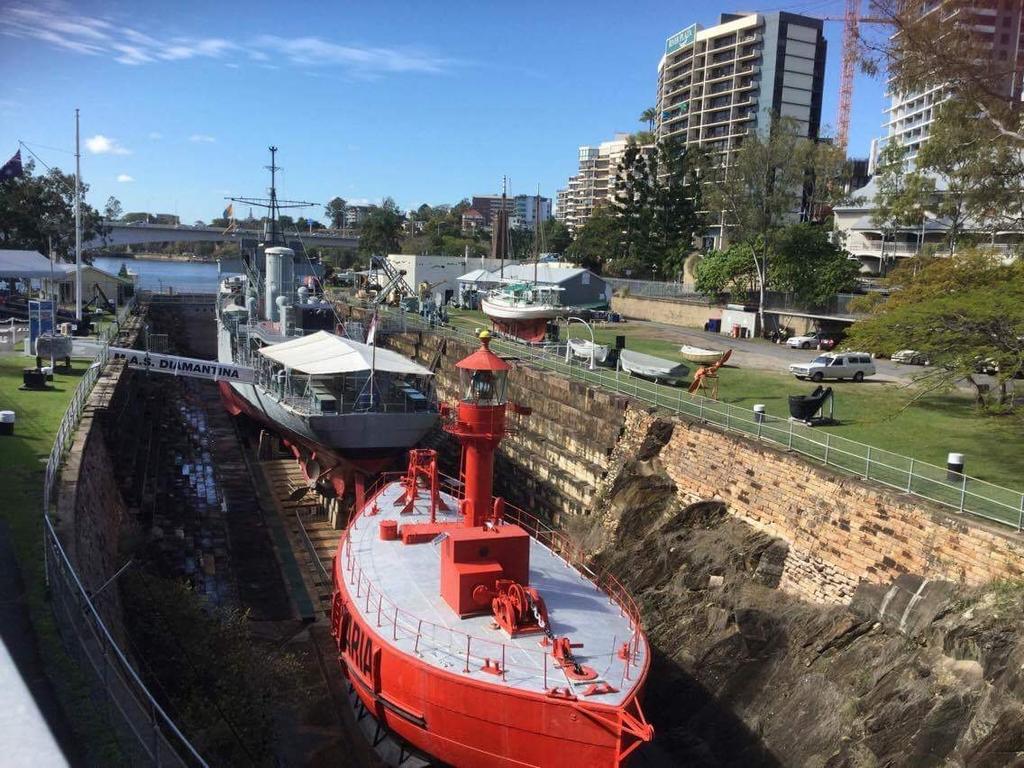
(452, 613)
(344, 407)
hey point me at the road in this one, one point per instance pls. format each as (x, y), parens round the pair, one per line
(763, 355)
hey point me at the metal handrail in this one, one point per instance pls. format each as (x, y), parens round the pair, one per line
(962, 493)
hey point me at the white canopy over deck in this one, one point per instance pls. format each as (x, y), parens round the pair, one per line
(323, 353)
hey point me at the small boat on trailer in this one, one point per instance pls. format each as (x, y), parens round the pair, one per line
(651, 367)
(587, 350)
(700, 355)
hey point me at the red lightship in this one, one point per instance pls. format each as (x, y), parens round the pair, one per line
(473, 631)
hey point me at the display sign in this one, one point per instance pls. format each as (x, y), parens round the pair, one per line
(182, 366)
(40, 319)
(681, 39)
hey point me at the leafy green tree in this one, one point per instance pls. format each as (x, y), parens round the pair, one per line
(761, 190)
(38, 210)
(903, 196)
(335, 212)
(730, 270)
(958, 313)
(678, 202)
(597, 241)
(112, 211)
(634, 208)
(381, 232)
(811, 266)
(557, 237)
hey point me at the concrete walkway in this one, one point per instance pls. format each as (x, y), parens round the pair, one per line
(33, 728)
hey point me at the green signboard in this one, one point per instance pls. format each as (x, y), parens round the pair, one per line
(681, 39)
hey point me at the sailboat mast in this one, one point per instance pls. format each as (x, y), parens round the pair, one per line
(78, 223)
(536, 233)
(503, 220)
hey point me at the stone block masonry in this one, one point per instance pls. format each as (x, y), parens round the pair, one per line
(840, 529)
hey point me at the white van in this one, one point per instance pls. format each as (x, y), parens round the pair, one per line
(835, 365)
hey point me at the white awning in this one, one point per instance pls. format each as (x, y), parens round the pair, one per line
(324, 353)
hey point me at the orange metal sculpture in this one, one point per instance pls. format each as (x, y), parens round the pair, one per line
(706, 377)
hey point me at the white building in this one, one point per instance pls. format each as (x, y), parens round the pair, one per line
(441, 273)
(594, 182)
(999, 27)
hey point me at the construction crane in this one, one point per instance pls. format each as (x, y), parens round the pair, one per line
(851, 31)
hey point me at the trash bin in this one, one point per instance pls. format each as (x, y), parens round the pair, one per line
(715, 324)
(6, 422)
(759, 413)
(955, 467)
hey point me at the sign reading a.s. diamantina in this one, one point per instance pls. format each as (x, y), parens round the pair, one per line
(182, 366)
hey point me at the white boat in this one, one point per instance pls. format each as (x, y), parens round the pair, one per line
(651, 367)
(522, 301)
(700, 355)
(585, 349)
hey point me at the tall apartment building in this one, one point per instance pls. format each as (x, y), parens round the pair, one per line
(999, 26)
(720, 84)
(594, 182)
(522, 209)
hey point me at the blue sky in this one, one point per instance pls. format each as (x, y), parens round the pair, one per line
(427, 102)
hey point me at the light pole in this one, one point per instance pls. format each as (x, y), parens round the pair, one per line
(593, 343)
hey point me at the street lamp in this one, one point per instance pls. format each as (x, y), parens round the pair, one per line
(593, 343)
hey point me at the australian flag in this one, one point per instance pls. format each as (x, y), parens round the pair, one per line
(12, 169)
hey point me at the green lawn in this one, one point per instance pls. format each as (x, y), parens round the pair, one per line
(23, 457)
(870, 412)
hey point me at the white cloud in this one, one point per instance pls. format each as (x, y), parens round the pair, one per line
(155, 135)
(201, 138)
(104, 145)
(124, 178)
(57, 25)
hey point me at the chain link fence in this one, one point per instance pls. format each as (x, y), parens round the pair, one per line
(962, 493)
(143, 732)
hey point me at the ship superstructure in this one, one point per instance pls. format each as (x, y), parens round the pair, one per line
(474, 631)
(344, 406)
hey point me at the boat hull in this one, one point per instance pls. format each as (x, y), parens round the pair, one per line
(463, 722)
(700, 356)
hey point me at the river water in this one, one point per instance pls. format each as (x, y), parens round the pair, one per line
(179, 276)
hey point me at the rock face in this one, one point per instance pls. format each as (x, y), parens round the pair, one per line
(916, 673)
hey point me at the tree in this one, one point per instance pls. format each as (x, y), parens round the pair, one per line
(811, 266)
(596, 243)
(678, 200)
(902, 196)
(382, 229)
(36, 211)
(761, 190)
(942, 47)
(335, 211)
(556, 235)
(958, 313)
(649, 116)
(633, 206)
(730, 270)
(112, 211)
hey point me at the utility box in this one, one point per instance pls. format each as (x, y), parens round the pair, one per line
(478, 557)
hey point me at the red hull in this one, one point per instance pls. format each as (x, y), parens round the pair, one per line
(527, 330)
(469, 724)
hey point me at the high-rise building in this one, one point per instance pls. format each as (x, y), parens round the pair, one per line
(522, 209)
(594, 182)
(998, 25)
(720, 84)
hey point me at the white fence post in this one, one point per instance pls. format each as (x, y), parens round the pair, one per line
(910, 477)
(867, 464)
(826, 448)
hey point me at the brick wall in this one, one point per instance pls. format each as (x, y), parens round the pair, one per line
(840, 529)
(664, 310)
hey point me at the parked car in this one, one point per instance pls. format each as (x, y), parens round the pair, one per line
(811, 340)
(836, 365)
(909, 357)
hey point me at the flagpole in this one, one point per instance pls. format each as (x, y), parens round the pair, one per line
(373, 356)
(78, 224)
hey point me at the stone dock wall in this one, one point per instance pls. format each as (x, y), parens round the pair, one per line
(841, 530)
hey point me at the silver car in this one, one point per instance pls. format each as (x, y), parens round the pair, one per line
(835, 365)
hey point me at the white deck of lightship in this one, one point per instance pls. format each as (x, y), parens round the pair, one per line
(410, 576)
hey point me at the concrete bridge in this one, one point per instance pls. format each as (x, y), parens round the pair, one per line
(121, 233)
